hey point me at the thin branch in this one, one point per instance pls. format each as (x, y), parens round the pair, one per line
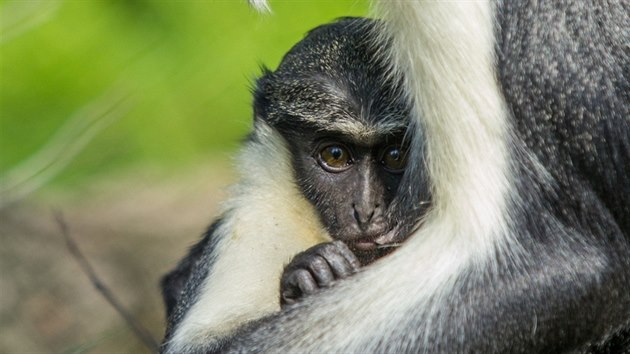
(139, 330)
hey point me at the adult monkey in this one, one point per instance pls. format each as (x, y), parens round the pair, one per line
(527, 245)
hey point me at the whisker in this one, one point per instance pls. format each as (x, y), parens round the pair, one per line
(389, 245)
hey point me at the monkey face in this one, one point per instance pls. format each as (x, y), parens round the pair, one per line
(351, 184)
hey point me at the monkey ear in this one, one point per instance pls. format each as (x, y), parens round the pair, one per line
(262, 91)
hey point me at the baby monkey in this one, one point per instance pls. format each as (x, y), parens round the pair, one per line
(345, 124)
(323, 163)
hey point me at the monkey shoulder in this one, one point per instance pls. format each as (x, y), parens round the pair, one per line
(174, 283)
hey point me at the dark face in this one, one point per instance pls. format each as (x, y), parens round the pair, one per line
(351, 183)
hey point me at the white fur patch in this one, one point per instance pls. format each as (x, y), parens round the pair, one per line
(446, 52)
(268, 222)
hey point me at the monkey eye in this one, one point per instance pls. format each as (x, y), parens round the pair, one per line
(334, 158)
(394, 159)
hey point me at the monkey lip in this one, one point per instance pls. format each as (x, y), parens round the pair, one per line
(372, 243)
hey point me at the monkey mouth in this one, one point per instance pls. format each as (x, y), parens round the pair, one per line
(371, 243)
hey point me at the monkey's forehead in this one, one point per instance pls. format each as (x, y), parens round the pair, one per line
(320, 104)
(353, 131)
(362, 133)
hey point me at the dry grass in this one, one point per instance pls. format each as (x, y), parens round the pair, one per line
(132, 230)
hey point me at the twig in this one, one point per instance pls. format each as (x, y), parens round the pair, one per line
(139, 330)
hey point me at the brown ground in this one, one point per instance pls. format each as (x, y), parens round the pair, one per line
(132, 230)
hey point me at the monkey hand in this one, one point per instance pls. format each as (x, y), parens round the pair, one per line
(315, 268)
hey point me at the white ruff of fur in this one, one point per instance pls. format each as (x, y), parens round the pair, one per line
(267, 222)
(446, 52)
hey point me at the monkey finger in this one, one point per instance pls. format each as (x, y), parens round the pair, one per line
(340, 266)
(305, 282)
(321, 271)
(289, 296)
(350, 257)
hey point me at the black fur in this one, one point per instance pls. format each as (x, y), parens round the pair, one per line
(180, 287)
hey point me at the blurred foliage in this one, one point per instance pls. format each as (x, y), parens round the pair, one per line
(184, 69)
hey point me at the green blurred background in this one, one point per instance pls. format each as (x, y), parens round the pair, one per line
(123, 115)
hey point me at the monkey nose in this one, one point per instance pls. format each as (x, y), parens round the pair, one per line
(363, 214)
